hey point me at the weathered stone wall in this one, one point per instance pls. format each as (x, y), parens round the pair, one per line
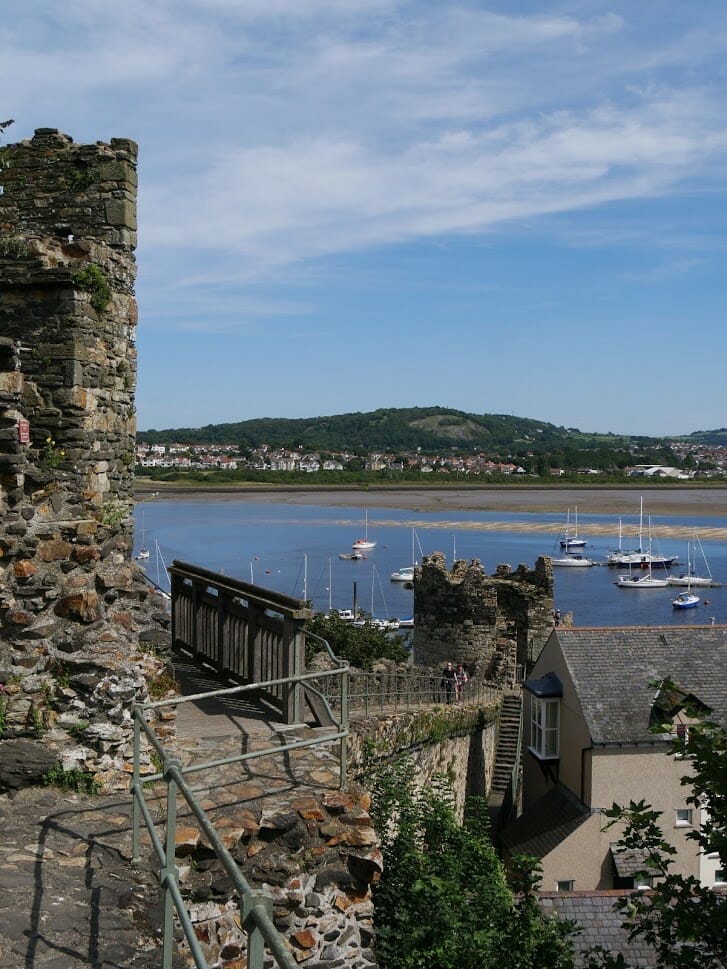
(491, 623)
(457, 742)
(73, 606)
(318, 855)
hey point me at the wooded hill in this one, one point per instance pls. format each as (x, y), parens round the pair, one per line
(401, 430)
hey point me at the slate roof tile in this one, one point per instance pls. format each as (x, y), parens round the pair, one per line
(612, 669)
(599, 917)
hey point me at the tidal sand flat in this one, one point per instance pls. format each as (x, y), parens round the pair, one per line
(623, 503)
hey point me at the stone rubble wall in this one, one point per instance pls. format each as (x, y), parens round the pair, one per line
(317, 854)
(79, 626)
(490, 623)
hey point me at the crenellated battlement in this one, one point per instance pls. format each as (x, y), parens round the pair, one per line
(491, 623)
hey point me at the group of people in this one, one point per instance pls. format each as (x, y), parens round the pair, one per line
(454, 681)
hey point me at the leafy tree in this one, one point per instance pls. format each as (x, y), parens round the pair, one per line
(443, 901)
(360, 645)
(683, 921)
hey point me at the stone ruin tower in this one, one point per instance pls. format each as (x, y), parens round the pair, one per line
(73, 606)
(492, 624)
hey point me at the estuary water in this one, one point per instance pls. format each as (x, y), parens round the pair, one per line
(294, 547)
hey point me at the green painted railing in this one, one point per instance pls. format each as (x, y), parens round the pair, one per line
(380, 693)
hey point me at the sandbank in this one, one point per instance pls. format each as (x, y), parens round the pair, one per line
(660, 502)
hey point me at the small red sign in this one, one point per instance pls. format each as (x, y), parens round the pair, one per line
(24, 432)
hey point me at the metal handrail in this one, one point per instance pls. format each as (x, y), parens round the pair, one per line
(256, 907)
(390, 692)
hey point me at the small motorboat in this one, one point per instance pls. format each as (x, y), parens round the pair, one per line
(404, 574)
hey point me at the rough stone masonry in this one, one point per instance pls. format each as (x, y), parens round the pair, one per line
(74, 608)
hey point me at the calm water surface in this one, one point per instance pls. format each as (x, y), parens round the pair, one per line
(294, 548)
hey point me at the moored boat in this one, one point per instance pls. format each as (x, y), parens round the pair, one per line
(404, 574)
(577, 561)
(365, 543)
(572, 541)
(685, 600)
(689, 578)
(641, 558)
(645, 581)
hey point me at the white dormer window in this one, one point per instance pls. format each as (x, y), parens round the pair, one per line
(545, 727)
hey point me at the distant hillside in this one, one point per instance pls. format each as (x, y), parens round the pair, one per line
(396, 430)
(717, 438)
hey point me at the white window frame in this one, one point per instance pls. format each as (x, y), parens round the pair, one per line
(565, 885)
(720, 877)
(683, 818)
(545, 727)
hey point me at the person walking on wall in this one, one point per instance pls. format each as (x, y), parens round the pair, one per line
(448, 678)
(460, 678)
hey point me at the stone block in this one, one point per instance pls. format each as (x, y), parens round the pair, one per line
(24, 570)
(11, 382)
(82, 607)
(121, 212)
(54, 550)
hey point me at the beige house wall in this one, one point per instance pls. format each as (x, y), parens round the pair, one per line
(653, 775)
(622, 776)
(574, 735)
(578, 859)
(599, 777)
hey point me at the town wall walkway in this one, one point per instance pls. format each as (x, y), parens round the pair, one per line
(69, 897)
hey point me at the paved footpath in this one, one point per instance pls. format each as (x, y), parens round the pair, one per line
(68, 896)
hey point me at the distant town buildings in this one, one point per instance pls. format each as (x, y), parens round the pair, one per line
(697, 461)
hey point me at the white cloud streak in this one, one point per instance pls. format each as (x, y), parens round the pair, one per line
(274, 133)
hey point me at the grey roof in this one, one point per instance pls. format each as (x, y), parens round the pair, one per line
(599, 916)
(546, 686)
(630, 861)
(549, 821)
(612, 668)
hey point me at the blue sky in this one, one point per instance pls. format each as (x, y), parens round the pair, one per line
(506, 207)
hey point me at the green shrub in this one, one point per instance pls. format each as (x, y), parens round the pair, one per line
(443, 901)
(92, 279)
(72, 780)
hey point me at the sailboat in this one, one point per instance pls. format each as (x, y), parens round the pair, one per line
(578, 561)
(639, 557)
(406, 572)
(689, 578)
(686, 600)
(143, 552)
(572, 541)
(371, 619)
(365, 543)
(645, 580)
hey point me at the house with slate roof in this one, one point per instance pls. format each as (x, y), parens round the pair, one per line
(589, 704)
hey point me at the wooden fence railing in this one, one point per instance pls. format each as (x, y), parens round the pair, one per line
(245, 632)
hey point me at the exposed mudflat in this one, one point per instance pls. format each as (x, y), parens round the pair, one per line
(659, 502)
